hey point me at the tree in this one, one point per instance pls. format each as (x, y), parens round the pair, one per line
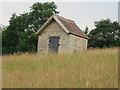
(1, 29)
(86, 30)
(20, 35)
(105, 34)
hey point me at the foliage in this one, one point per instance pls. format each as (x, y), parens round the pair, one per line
(86, 30)
(20, 35)
(1, 29)
(106, 34)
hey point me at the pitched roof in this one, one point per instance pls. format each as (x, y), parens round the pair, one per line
(68, 26)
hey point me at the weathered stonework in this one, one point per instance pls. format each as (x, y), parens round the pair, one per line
(68, 42)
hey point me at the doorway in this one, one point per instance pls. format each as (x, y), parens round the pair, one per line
(53, 44)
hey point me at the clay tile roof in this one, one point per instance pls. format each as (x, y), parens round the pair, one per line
(72, 27)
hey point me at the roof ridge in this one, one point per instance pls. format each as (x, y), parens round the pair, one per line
(63, 17)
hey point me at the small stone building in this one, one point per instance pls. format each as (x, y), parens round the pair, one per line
(60, 35)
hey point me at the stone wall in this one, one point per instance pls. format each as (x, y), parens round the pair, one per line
(68, 42)
(77, 43)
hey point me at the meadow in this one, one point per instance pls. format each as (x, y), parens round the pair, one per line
(94, 68)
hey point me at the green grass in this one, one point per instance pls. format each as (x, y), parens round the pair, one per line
(97, 68)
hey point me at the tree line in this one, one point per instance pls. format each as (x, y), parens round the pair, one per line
(20, 34)
(105, 34)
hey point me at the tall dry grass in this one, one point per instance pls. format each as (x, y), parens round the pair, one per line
(95, 68)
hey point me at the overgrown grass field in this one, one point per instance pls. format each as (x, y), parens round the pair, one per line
(95, 68)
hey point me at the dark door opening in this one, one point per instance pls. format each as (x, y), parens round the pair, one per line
(53, 44)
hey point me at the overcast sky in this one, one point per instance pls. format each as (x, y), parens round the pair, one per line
(83, 13)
